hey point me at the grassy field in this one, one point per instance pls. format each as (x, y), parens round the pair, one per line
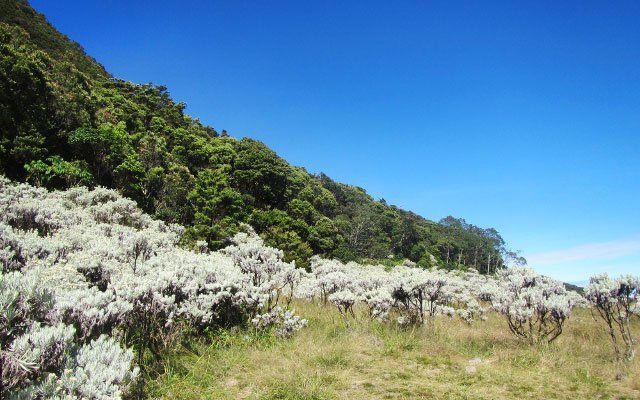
(370, 360)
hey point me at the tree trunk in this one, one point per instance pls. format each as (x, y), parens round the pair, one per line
(475, 257)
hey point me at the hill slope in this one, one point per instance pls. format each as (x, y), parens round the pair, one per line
(65, 121)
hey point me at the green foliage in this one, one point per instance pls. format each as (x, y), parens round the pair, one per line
(65, 121)
(218, 207)
(57, 173)
(105, 148)
(47, 38)
(294, 247)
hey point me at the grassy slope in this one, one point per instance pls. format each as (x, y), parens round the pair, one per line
(377, 361)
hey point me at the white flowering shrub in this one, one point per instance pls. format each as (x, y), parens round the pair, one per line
(265, 273)
(30, 344)
(283, 321)
(616, 302)
(40, 356)
(30, 356)
(413, 295)
(85, 272)
(534, 306)
(344, 285)
(422, 293)
(268, 282)
(98, 370)
(90, 286)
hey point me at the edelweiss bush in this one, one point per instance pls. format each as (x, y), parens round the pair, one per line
(284, 321)
(616, 302)
(41, 357)
(534, 306)
(264, 272)
(412, 294)
(88, 280)
(90, 286)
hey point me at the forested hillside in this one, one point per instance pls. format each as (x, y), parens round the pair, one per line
(65, 121)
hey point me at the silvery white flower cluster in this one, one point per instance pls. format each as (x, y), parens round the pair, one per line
(269, 278)
(535, 306)
(35, 343)
(616, 302)
(87, 278)
(284, 321)
(412, 294)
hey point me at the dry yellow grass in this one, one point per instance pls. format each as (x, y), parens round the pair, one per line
(379, 361)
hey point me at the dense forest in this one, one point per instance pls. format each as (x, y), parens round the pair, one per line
(65, 121)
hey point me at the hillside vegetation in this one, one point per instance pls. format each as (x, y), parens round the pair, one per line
(65, 121)
(97, 299)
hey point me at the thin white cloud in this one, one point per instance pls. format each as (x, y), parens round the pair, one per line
(590, 251)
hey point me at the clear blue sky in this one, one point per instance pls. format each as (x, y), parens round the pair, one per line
(524, 117)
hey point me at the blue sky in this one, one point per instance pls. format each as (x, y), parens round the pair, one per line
(524, 117)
